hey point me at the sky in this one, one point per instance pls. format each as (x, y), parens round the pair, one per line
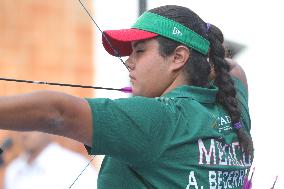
(255, 24)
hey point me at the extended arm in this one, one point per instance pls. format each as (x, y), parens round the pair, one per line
(49, 112)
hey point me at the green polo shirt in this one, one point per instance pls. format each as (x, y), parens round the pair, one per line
(183, 139)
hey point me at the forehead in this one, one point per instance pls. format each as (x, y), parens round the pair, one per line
(147, 42)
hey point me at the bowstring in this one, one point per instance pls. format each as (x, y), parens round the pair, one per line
(116, 54)
(81, 172)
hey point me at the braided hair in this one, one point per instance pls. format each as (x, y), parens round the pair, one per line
(227, 92)
(198, 69)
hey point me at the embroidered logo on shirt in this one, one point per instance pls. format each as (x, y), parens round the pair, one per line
(224, 123)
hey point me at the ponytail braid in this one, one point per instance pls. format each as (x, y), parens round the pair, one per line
(227, 92)
(197, 67)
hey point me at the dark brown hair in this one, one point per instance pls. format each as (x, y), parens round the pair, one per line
(198, 68)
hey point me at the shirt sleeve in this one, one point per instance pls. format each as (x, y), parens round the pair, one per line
(132, 130)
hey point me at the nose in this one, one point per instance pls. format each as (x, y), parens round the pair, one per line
(130, 64)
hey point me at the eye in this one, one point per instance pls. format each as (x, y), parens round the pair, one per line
(139, 51)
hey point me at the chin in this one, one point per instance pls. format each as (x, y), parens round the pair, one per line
(134, 93)
(137, 92)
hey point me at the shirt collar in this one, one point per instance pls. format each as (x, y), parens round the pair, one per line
(200, 94)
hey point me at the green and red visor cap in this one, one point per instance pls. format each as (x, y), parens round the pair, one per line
(150, 25)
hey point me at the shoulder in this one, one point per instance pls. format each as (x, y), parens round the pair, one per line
(136, 104)
(237, 71)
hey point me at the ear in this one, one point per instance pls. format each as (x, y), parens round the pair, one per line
(179, 57)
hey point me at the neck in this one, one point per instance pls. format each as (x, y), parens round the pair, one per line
(178, 81)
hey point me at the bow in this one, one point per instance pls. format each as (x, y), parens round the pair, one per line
(125, 89)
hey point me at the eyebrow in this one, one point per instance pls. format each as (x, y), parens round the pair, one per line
(136, 43)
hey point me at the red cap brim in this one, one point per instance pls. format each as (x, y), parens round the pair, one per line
(120, 40)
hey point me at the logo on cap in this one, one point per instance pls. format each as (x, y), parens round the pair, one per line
(177, 32)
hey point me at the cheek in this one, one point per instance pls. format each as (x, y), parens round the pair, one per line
(143, 83)
(150, 75)
(152, 84)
